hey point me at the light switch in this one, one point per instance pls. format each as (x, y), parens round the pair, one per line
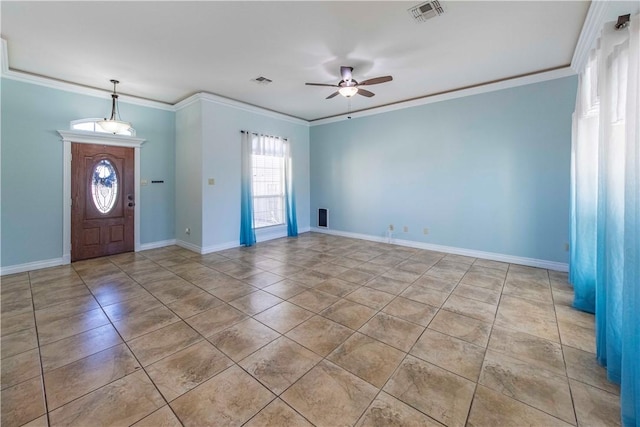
(144, 182)
(212, 181)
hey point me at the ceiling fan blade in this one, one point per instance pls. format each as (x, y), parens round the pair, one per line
(345, 72)
(376, 80)
(332, 95)
(365, 92)
(321, 84)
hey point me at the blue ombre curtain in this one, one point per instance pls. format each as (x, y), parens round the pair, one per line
(289, 193)
(605, 217)
(247, 229)
(273, 146)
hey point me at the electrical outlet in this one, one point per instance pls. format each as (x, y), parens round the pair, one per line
(187, 231)
(405, 229)
(212, 181)
(390, 227)
(425, 231)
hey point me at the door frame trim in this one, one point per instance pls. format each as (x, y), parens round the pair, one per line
(86, 137)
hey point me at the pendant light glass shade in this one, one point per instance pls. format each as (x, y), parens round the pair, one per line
(113, 125)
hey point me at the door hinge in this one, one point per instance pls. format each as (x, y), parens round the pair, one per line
(71, 202)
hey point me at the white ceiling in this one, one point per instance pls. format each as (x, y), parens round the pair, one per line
(167, 51)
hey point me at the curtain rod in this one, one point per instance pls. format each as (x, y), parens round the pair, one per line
(623, 21)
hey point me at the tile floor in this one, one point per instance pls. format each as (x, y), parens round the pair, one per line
(318, 330)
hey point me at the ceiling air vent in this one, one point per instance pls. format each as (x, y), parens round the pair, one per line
(427, 10)
(262, 80)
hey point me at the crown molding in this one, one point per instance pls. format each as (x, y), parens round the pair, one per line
(596, 17)
(24, 77)
(461, 93)
(228, 102)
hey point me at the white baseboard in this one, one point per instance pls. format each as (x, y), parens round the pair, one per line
(36, 265)
(531, 262)
(156, 245)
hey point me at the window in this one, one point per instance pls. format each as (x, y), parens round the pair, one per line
(92, 125)
(268, 165)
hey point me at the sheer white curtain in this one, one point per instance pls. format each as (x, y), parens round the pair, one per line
(605, 220)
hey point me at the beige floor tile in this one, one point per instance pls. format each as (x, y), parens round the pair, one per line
(370, 268)
(336, 287)
(583, 366)
(229, 292)
(528, 289)
(471, 308)
(278, 413)
(17, 323)
(145, 322)
(528, 348)
(577, 329)
(187, 307)
(57, 295)
(131, 308)
(12, 306)
(309, 278)
(38, 422)
(414, 266)
(169, 290)
(123, 402)
(595, 407)
(484, 278)
(230, 398)
(425, 295)
(329, 269)
(285, 289)
(20, 367)
(215, 320)
(393, 331)
(163, 417)
(452, 354)
(436, 284)
(434, 391)
(242, 339)
(349, 314)
(386, 410)
(108, 294)
(320, 335)
(161, 343)
(53, 328)
(477, 293)
(448, 270)
(356, 276)
(537, 387)
(280, 364)
(491, 408)
(187, 368)
(370, 297)
(411, 311)
(329, 395)
(497, 265)
(78, 378)
(313, 300)
(67, 309)
(388, 284)
(532, 317)
(283, 317)
(463, 327)
(462, 259)
(18, 342)
(367, 358)
(22, 403)
(263, 279)
(255, 302)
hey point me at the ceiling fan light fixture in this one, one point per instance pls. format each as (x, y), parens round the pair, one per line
(113, 125)
(348, 91)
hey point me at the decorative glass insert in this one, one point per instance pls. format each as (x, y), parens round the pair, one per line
(104, 186)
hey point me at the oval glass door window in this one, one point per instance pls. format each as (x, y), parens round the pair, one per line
(104, 186)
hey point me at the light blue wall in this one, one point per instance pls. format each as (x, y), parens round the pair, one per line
(488, 172)
(220, 156)
(31, 176)
(188, 161)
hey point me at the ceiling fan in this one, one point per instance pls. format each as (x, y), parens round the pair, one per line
(349, 87)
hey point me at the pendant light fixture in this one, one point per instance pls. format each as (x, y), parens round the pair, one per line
(113, 125)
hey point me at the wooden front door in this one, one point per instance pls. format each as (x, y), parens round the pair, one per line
(102, 207)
